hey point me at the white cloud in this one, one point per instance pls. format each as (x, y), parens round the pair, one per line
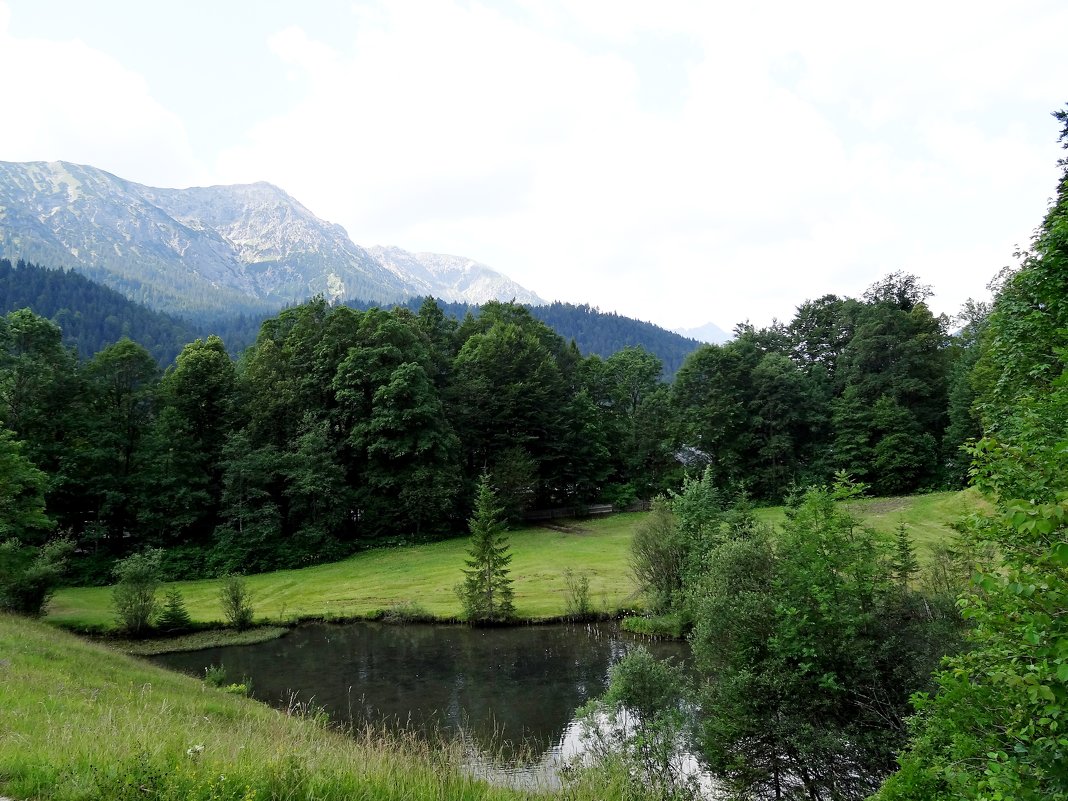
(817, 148)
(67, 101)
(799, 149)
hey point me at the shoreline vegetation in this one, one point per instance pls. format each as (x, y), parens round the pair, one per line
(415, 583)
(81, 721)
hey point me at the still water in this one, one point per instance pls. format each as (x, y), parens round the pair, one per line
(509, 692)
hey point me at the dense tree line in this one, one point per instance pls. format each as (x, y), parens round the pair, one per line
(340, 427)
(90, 315)
(336, 429)
(860, 385)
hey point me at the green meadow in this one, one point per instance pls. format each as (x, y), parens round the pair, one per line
(369, 583)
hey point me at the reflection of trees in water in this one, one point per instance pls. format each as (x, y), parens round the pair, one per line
(517, 684)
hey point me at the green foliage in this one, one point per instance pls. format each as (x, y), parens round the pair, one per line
(904, 564)
(215, 675)
(29, 575)
(236, 601)
(406, 612)
(658, 558)
(122, 393)
(22, 501)
(486, 592)
(640, 722)
(134, 594)
(671, 547)
(180, 466)
(995, 727)
(577, 603)
(674, 625)
(812, 648)
(173, 617)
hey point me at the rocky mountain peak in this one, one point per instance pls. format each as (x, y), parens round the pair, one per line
(215, 247)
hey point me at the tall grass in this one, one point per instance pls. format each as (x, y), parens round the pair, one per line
(79, 721)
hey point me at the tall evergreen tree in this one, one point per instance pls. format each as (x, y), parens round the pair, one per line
(486, 592)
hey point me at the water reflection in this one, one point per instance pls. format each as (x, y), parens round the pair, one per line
(505, 691)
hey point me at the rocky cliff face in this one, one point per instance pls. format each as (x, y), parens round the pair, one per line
(453, 278)
(213, 248)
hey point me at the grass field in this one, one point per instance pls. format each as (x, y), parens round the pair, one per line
(370, 582)
(425, 574)
(927, 517)
(79, 721)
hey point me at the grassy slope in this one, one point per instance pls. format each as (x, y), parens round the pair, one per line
(927, 517)
(80, 721)
(426, 574)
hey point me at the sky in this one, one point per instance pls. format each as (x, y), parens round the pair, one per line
(679, 162)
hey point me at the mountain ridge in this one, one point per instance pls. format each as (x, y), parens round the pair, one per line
(247, 247)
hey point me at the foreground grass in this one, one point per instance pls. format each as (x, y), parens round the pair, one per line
(369, 583)
(80, 721)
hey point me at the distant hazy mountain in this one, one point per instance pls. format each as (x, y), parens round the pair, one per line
(210, 249)
(452, 278)
(709, 332)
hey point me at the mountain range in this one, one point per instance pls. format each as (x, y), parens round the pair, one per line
(709, 333)
(206, 250)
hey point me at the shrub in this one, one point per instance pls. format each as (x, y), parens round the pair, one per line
(672, 626)
(134, 595)
(658, 557)
(236, 602)
(215, 675)
(577, 605)
(406, 612)
(29, 576)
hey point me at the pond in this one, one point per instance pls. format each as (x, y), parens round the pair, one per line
(508, 692)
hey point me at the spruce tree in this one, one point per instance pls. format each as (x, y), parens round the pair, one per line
(174, 617)
(486, 592)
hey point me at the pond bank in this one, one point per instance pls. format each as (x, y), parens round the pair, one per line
(219, 637)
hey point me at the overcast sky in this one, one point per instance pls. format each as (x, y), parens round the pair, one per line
(680, 162)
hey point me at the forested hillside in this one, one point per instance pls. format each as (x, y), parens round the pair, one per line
(90, 315)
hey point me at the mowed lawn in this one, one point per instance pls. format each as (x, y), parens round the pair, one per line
(373, 581)
(426, 575)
